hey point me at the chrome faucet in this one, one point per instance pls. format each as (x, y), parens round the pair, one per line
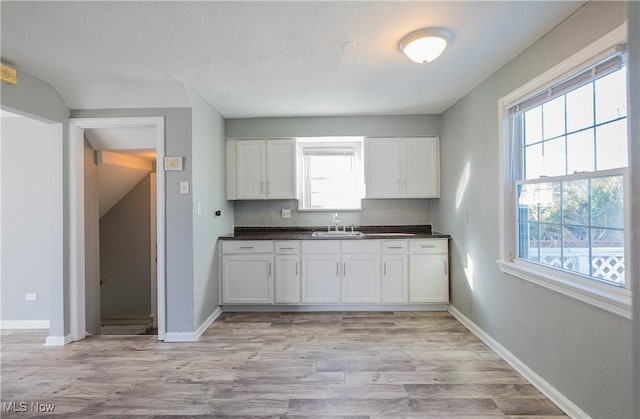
(335, 219)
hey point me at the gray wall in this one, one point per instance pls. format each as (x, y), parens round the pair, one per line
(37, 99)
(374, 212)
(91, 241)
(179, 222)
(31, 217)
(125, 258)
(209, 195)
(581, 350)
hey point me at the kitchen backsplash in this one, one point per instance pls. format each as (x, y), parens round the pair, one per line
(374, 212)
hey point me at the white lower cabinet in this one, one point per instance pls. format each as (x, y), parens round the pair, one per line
(361, 278)
(394, 279)
(428, 279)
(247, 278)
(287, 279)
(321, 278)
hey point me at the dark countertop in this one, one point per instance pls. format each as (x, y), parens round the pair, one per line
(304, 233)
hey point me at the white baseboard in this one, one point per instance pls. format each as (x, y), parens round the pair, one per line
(538, 382)
(279, 308)
(24, 324)
(58, 340)
(195, 335)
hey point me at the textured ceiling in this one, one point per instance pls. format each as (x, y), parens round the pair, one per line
(253, 59)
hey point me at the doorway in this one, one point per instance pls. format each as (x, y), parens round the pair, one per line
(147, 135)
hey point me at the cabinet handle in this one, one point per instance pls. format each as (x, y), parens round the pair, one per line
(337, 268)
(385, 269)
(268, 187)
(287, 248)
(399, 185)
(246, 247)
(428, 246)
(269, 269)
(446, 271)
(296, 268)
(344, 268)
(394, 247)
(262, 187)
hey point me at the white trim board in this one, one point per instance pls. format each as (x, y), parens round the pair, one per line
(58, 340)
(24, 324)
(76, 217)
(538, 382)
(302, 308)
(195, 335)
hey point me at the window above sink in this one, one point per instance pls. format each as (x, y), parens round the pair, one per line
(330, 173)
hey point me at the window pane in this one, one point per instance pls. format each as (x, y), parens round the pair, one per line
(553, 118)
(528, 233)
(580, 108)
(550, 242)
(607, 249)
(548, 197)
(527, 202)
(611, 96)
(607, 202)
(575, 202)
(533, 159)
(576, 250)
(554, 158)
(533, 125)
(611, 145)
(580, 157)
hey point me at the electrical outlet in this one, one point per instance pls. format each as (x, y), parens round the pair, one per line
(184, 187)
(31, 296)
(286, 213)
(199, 208)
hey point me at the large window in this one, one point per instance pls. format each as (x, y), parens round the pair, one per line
(330, 173)
(565, 167)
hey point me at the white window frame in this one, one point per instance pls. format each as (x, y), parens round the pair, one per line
(328, 143)
(608, 297)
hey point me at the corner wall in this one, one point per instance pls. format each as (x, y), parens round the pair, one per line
(583, 351)
(209, 195)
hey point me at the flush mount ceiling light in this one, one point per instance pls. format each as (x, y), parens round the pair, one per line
(425, 45)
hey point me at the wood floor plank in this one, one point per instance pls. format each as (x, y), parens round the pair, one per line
(276, 365)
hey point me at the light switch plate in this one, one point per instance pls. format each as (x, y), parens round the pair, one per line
(31, 296)
(184, 187)
(286, 213)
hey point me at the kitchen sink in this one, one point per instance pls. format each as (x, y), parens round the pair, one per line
(340, 234)
(390, 234)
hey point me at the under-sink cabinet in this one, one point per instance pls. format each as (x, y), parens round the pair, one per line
(335, 272)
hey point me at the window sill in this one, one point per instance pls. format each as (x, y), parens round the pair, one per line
(606, 297)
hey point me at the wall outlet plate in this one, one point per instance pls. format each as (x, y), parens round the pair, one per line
(286, 213)
(31, 296)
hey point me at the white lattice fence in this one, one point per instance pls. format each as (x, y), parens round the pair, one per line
(607, 262)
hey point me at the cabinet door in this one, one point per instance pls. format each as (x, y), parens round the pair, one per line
(394, 279)
(320, 278)
(420, 162)
(250, 172)
(247, 279)
(361, 278)
(428, 279)
(382, 167)
(287, 279)
(281, 169)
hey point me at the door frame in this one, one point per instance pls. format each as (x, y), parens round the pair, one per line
(77, 314)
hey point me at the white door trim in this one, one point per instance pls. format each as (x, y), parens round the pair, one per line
(76, 218)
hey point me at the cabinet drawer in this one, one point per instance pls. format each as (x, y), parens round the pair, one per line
(319, 247)
(257, 246)
(394, 246)
(364, 246)
(428, 246)
(288, 247)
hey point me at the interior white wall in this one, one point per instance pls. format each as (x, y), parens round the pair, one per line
(31, 230)
(34, 98)
(209, 195)
(582, 351)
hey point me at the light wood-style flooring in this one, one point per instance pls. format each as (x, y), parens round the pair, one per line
(347, 364)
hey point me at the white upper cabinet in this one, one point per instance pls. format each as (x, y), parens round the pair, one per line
(402, 167)
(261, 169)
